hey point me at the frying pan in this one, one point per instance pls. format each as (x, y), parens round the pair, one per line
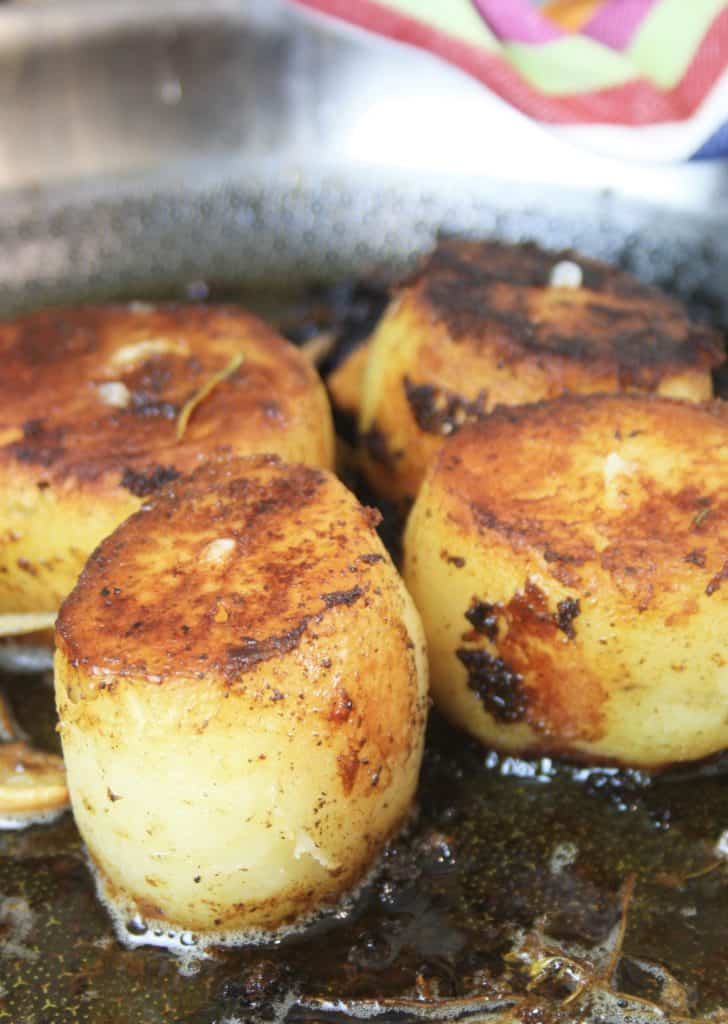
(249, 151)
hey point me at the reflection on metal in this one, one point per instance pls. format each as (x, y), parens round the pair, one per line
(242, 142)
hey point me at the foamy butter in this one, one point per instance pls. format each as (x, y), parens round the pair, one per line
(563, 856)
(16, 924)
(133, 930)
(277, 1011)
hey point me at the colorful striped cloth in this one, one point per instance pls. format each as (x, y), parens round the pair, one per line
(639, 79)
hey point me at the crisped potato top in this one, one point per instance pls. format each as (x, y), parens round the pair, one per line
(231, 568)
(92, 390)
(628, 485)
(493, 294)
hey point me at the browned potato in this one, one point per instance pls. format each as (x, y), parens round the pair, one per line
(32, 786)
(94, 401)
(345, 383)
(241, 685)
(570, 563)
(484, 324)
(32, 782)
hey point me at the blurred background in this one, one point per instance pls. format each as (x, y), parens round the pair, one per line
(148, 146)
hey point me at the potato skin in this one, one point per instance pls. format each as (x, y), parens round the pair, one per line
(73, 464)
(241, 684)
(480, 326)
(570, 563)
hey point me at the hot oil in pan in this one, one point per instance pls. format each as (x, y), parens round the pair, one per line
(525, 891)
(503, 854)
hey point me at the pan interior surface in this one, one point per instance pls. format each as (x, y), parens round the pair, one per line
(525, 889)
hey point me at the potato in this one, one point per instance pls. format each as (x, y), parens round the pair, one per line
(93, 400)
(345, 383)
(570, 563)
(241, 686)
(32, 786)
(484, 324)
(32, 782)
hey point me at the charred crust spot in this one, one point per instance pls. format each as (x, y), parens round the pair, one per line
(50, 338)
(612, 317)
(251, 651)
(457, 560)
(441, 412)
(560, 566)
(144, 404)
(715, 583)
(296, 488)
(33, 429)
(345, 597)
(556, 556)
(41, 445)
(521, 529)
(27, 566)
(525, 264)
(483, 617)
(370, 559)
(566, 611)
(142, 483)
(271, 409)
(375, 444)
(499, 688)
(696, 557)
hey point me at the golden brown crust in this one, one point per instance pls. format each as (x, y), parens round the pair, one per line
(586, 615)
(491, 293)
(345, 382)
(480, 326)
(278, 566)
(90, 423)
(650, 525)
(56, 425)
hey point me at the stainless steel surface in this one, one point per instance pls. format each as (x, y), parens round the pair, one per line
(92, 88)
(142, 145)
